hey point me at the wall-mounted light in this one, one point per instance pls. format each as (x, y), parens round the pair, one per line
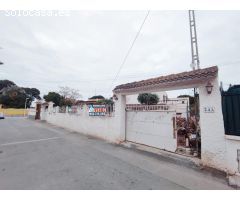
(115, 97)
(209, 88)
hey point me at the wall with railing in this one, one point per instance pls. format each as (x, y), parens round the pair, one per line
(79, 109)
(77, 118)
(179, 105)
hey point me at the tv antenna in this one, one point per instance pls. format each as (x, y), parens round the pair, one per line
(194, 45)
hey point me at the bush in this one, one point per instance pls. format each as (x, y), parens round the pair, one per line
(148, 98)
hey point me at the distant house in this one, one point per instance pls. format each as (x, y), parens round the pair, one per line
(92, 100)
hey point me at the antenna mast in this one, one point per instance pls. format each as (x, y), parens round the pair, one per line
(194, 46)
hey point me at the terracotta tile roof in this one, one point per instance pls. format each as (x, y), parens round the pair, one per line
(190, 77)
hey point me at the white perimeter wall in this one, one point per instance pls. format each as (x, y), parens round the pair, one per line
(232, 144)
(104, 127)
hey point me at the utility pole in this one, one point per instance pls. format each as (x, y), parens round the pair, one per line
(194, 46)
(195, 57)
(25, 107)
(194, 65)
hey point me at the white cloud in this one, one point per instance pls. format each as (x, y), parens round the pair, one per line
(85, 49)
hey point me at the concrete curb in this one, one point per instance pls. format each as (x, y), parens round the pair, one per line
(234, 180)
(162, 154)
(178, 159)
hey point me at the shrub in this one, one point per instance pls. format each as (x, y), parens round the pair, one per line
(148, 98)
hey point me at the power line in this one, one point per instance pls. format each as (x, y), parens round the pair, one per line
(129, 50)
(131, 76)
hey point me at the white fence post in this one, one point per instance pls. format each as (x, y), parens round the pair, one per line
(120, 115)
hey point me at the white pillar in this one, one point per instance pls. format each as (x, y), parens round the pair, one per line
(120, 115)
(57, 109)
(213, 147)
(50, 107)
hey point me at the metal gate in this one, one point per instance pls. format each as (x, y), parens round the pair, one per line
(151, 125)
(231, 113)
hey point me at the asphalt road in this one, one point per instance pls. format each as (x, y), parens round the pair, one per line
(36, 155)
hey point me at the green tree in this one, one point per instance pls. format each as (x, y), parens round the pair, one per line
(14, 97)
(33, 93)
(97, 97)
(55, 97)
(6, 83)
(148, 98)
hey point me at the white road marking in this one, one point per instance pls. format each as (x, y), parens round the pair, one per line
(29, 141)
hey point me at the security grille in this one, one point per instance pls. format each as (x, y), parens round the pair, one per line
(231, 113)
(137, 107)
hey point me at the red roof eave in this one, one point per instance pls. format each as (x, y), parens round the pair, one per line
(180, 79)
